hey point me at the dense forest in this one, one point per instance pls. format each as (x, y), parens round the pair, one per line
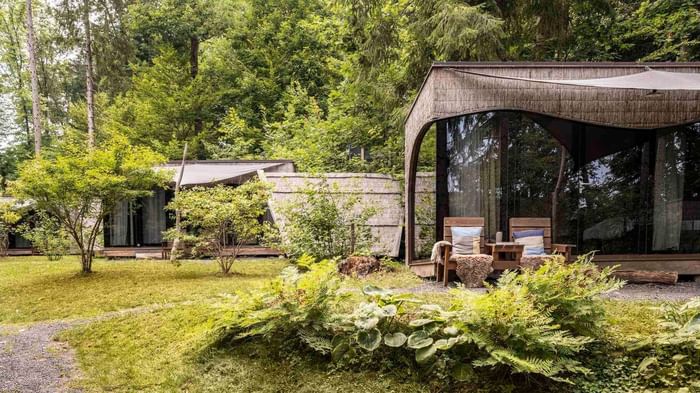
(324, 82)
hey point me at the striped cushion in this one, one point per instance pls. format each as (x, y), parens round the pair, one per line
(533, 240)
(465, 240)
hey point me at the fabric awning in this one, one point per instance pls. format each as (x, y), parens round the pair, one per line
(645, 80)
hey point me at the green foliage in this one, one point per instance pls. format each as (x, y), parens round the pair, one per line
(47, 236)
(325, 223)
(221, 219)
(222, 75)
(78, 187)
(568, 292)
(673, 355)
(292, 312)
(511, 328)
(8, 217)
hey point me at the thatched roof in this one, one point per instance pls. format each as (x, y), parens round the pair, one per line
(378, 191)
(207, 172)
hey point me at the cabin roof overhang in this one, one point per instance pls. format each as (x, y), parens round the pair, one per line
(231, 172)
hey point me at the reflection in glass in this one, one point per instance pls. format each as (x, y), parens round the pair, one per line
(618, 191)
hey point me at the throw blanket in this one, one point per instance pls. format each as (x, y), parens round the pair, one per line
(436, 254)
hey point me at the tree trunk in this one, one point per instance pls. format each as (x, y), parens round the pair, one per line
(89, 80)
(86, 261)
(194, 70)
(178, 214)
(36, 108)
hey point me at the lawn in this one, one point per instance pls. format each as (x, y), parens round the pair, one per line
(35, 289)
(161, 350)
(129, 354)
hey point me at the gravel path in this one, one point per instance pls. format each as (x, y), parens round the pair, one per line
(32, 362)
(680, 291)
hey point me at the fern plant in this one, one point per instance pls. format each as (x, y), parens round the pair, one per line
(294, 311)
(568, 292)
(672, 357)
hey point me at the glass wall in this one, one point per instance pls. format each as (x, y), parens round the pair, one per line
(617, 191)
(139, 223)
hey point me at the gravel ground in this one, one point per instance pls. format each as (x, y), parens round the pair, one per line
(32, 362)
(680, 291)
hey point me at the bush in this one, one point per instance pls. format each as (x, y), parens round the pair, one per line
(568, 292)
(325, 224)
(47, 236)
(516, 327)
(672, 357)
(8, 217)
(221, 219)
(295, 311)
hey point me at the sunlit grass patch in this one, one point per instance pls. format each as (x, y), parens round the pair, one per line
(35, 289)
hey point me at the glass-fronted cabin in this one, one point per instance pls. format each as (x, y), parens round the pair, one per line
(617, 169)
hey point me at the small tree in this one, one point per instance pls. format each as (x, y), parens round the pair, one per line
(221, 219)
(8, 217)
(325, 223)
(79, 187)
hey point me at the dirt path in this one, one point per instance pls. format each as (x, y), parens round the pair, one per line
(32, 362)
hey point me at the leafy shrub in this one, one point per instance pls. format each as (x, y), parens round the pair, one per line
(294, 311)
(8, 217)
(325, 223)
(47, 236)
(221, 219)
(673, 356)
(516, 327)
(503, 329)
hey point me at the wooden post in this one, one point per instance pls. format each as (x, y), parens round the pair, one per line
(352, 239)
(178, 215)
(555, 193)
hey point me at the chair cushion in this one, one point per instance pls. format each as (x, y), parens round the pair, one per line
(532, 239)
(466, 240)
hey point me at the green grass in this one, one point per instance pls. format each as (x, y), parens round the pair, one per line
(160, 352)
(35, 289)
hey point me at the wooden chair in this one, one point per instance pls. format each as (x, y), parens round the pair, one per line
(517, 224)
(442, 271)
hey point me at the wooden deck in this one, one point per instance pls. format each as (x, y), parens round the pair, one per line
(156, 252)
(13, 252)
(684, 264)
